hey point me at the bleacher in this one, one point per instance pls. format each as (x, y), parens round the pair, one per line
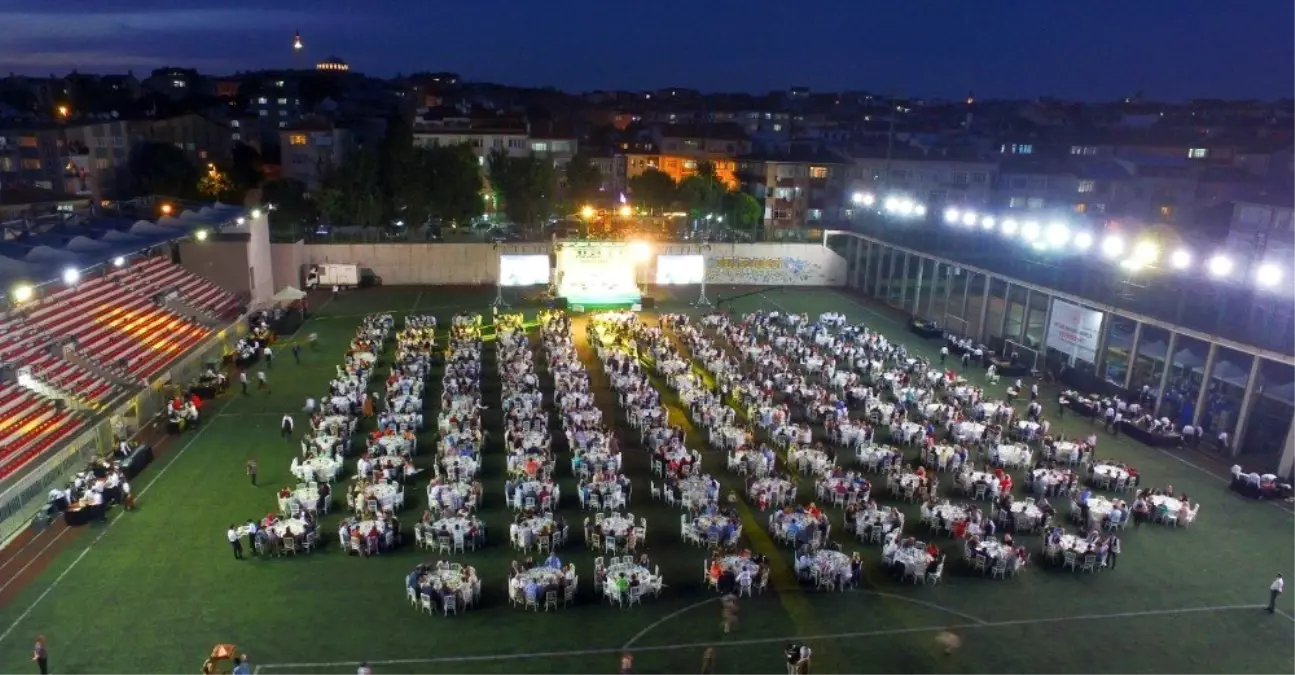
(114, 322)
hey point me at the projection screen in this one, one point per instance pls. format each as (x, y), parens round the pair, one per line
(523, 270)
(673, 270)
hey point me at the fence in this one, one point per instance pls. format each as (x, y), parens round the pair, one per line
(24, 494)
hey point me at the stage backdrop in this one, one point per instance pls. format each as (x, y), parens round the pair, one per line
(1074, 330)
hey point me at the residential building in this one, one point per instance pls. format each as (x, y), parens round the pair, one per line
(702, 141)
(804, 186)
(1262, 231)
(100, 151)
(628, 165)
(935, 178)
(309, 147)
(440, 128)
(202, 139)
(32, 155)
(177, 83)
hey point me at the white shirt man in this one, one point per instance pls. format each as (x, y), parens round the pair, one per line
(310, 406)
(1275, 589)
(1223, 439)
(286, 425)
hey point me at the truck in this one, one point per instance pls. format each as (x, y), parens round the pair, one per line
(341, 275)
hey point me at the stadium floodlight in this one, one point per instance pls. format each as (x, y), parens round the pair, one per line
(239, 221)
(1268, 275)
(1147, 252)
(892, 204)
(119, 261)
(1112, 247)
(256, 213)
(71, 275)
(1009, 227)
(863, 198)
(1220, 266)
(1132, 264)
(919, 210)
(1181, 259)
(201, 235)
(23, 293)
(626, 211)
(1083, 241)
(587, 212)
(951, 216)
(1029, 230)
(969, 218)
(640, 250)
(1058, 235)
(987, 222)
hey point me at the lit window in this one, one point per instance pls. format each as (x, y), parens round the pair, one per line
(236, 136)
(1083, 150)
(31, 164)
(539, 147)
(1034, 203)
(265, 113)
(777, 127)
(814, 214)
(1022, 149)
(283, 125)
(1198, 153)
(1167, 211)
(1087, 185)
(297, 139)
(689, 164)
(262, 101)
(283, 101)
(278, 83)
(818, 172)
(234, 124)
(27, 142)
(1016, 202)
(1081, 208)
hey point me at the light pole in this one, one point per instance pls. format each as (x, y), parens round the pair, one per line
(702, 300)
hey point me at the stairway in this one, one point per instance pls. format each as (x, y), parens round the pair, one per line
(49, 391)
(78, 359)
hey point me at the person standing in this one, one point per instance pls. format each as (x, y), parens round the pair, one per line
(261, 382)
(240, 666)
(242, 379)
(268, 355)
(1275, 589)
(235, 542)
(627, 664)
(708, 661)
(251, 470)
(40, 656)
(296, 353)
(1113, 553)
(944, 354)
(286, 426)
(364, 669)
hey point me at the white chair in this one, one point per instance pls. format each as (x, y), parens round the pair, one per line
(412, 595)
(450, 606)
(425, 601)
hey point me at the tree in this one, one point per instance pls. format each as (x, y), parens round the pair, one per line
(583, 180)
(293, 212)
(741, 210)
(702, 192)
(456, 185)
(247, 170)
(351, 193)
(216, 184)
(163, 169)
(525, 185)
(653, 189)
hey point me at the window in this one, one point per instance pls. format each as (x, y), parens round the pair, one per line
(979, 178)
(1022, 149)
(1166, 211)
(283, 101)
(959, 178)
(31, 164)
(783, 193)
(236, 136)
(235, 124)
(1099, 208)
(283, 125)
(1081, 208)
(178, 84)
(102, 164)
(1087, 185)
(497, 143)
(297, 139)
(937, 196)
(262, 100)
(818, 172)
(688, 164)
(777, 127)
(26, 141)
(899, 174)
(1198, 153)
(781, 214)
(539, 146)
(814, 214)
(1016, 203)
(1084, 150)
(283, 113)
(1034, 203)
(264, 112)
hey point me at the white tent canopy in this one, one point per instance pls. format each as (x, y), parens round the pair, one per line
(45, 254)
(288, 294)
(146, 228)
(82, 244)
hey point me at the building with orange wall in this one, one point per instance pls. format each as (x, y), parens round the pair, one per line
(678, 167)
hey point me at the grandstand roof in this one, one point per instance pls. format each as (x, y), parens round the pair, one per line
(38, 252)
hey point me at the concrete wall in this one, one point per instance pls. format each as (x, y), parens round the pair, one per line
(224, 263)
(432, 264)
(286, 261)
(259, 259)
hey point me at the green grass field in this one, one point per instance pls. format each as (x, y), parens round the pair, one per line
(153, 591)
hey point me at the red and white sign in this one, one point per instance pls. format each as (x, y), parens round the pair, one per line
(1074, 330)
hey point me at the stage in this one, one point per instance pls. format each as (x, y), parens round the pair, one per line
(600, 274)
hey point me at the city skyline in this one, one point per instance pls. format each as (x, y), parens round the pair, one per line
(1010, 49)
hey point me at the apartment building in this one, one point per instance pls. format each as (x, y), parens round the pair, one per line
(309, 147)
(32, 156)
(628, 165)
(201, 138)
(100, 151)
(511, 135)
(1262, 231)
(936, 178)
(800, 187)
(702, 141)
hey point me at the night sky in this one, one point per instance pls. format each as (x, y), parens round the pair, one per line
(1087, 49)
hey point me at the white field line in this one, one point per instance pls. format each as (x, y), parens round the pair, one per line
(18, 554)
(757, 641)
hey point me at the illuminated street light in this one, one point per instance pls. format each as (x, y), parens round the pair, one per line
(240, 220)
(969, 218)
(1220, 266)
(1058, 235)
(863, 198)
(167, 209)
(23, 293)
(1268, 275)
(71, 276)
(587, 212)
(1083, 241)
(626, 211)
(1180, 259)
(919, 210)
(1112, 247)
(1009, 227)
(256, 213)
(951, 216)
(1029, 230)
(1147, 252)
(987, 222)
(201, 235)
(892, 204)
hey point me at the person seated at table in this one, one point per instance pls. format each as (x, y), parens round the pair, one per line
(933, 550)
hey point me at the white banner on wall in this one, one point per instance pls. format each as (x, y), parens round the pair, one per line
(1074, 330)
(680, 269)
